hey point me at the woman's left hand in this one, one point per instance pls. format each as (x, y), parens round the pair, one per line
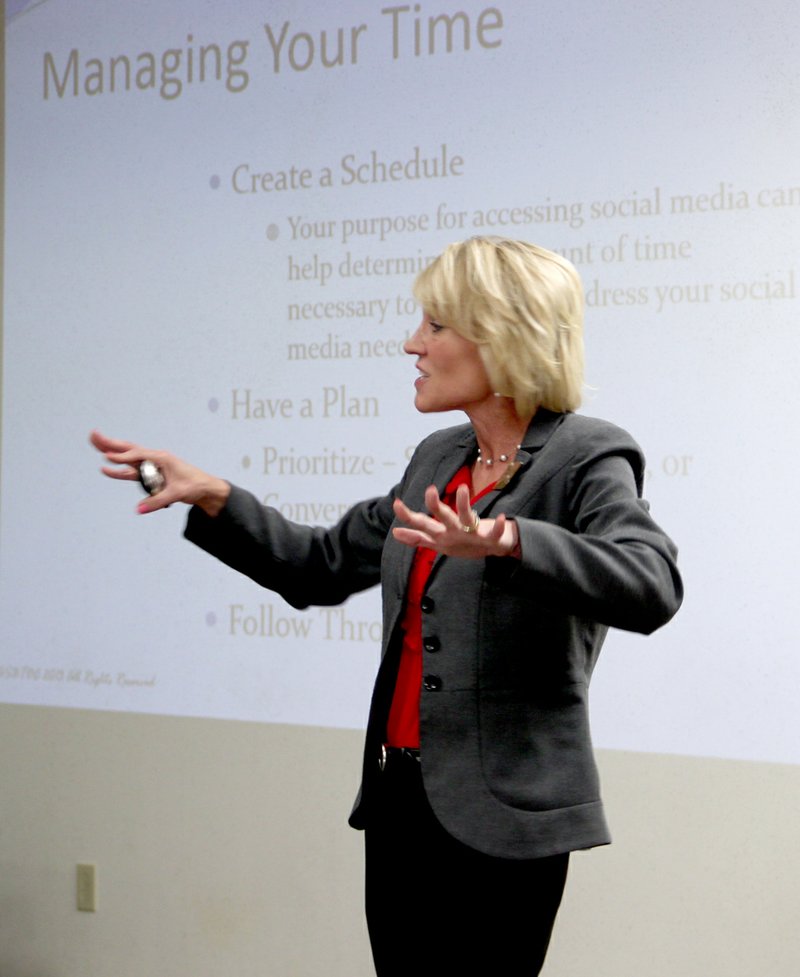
(459, 533)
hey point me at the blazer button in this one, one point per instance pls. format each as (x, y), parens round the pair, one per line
(426, 604)
(431, 644)
(432, 683)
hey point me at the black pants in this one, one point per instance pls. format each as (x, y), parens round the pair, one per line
(435, 906)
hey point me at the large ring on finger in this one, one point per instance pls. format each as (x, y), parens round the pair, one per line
(473, 526)
(151, 477)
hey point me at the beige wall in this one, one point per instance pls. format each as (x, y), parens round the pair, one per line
(222, 849)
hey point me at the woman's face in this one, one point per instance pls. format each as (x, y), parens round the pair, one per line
(452, 374)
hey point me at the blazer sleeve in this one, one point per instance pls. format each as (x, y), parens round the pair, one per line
(304, 564)
(604, 559)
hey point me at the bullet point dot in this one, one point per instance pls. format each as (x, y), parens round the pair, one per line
(211, 619)
(245, 462)
(273, 232)
(213, 405)
(214, 182)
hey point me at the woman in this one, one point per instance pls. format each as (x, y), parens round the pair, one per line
(509, 547)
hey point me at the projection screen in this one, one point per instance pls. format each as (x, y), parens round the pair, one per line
(213, 217)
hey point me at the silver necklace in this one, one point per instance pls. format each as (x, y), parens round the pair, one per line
(490, 461)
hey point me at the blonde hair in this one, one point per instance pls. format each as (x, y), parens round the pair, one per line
(523, 307)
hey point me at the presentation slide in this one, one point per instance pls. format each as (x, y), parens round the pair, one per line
(214, 214)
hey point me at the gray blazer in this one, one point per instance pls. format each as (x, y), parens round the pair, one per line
(509, 646)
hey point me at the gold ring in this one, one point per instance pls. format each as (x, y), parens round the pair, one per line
(473, 526)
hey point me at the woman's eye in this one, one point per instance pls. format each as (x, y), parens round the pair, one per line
(436, 326)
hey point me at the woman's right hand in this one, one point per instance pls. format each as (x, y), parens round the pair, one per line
(183, 482)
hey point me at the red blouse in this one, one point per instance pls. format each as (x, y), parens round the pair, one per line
(402, 728)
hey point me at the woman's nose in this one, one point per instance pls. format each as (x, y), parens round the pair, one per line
(413, 345)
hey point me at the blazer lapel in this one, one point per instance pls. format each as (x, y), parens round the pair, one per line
(441, 472)
(449, 464)
(540, 430)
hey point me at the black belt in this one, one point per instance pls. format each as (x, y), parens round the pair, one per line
(397, 753)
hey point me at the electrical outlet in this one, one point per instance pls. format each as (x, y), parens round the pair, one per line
(86, 888)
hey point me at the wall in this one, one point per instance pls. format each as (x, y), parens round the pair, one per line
(223, 848)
